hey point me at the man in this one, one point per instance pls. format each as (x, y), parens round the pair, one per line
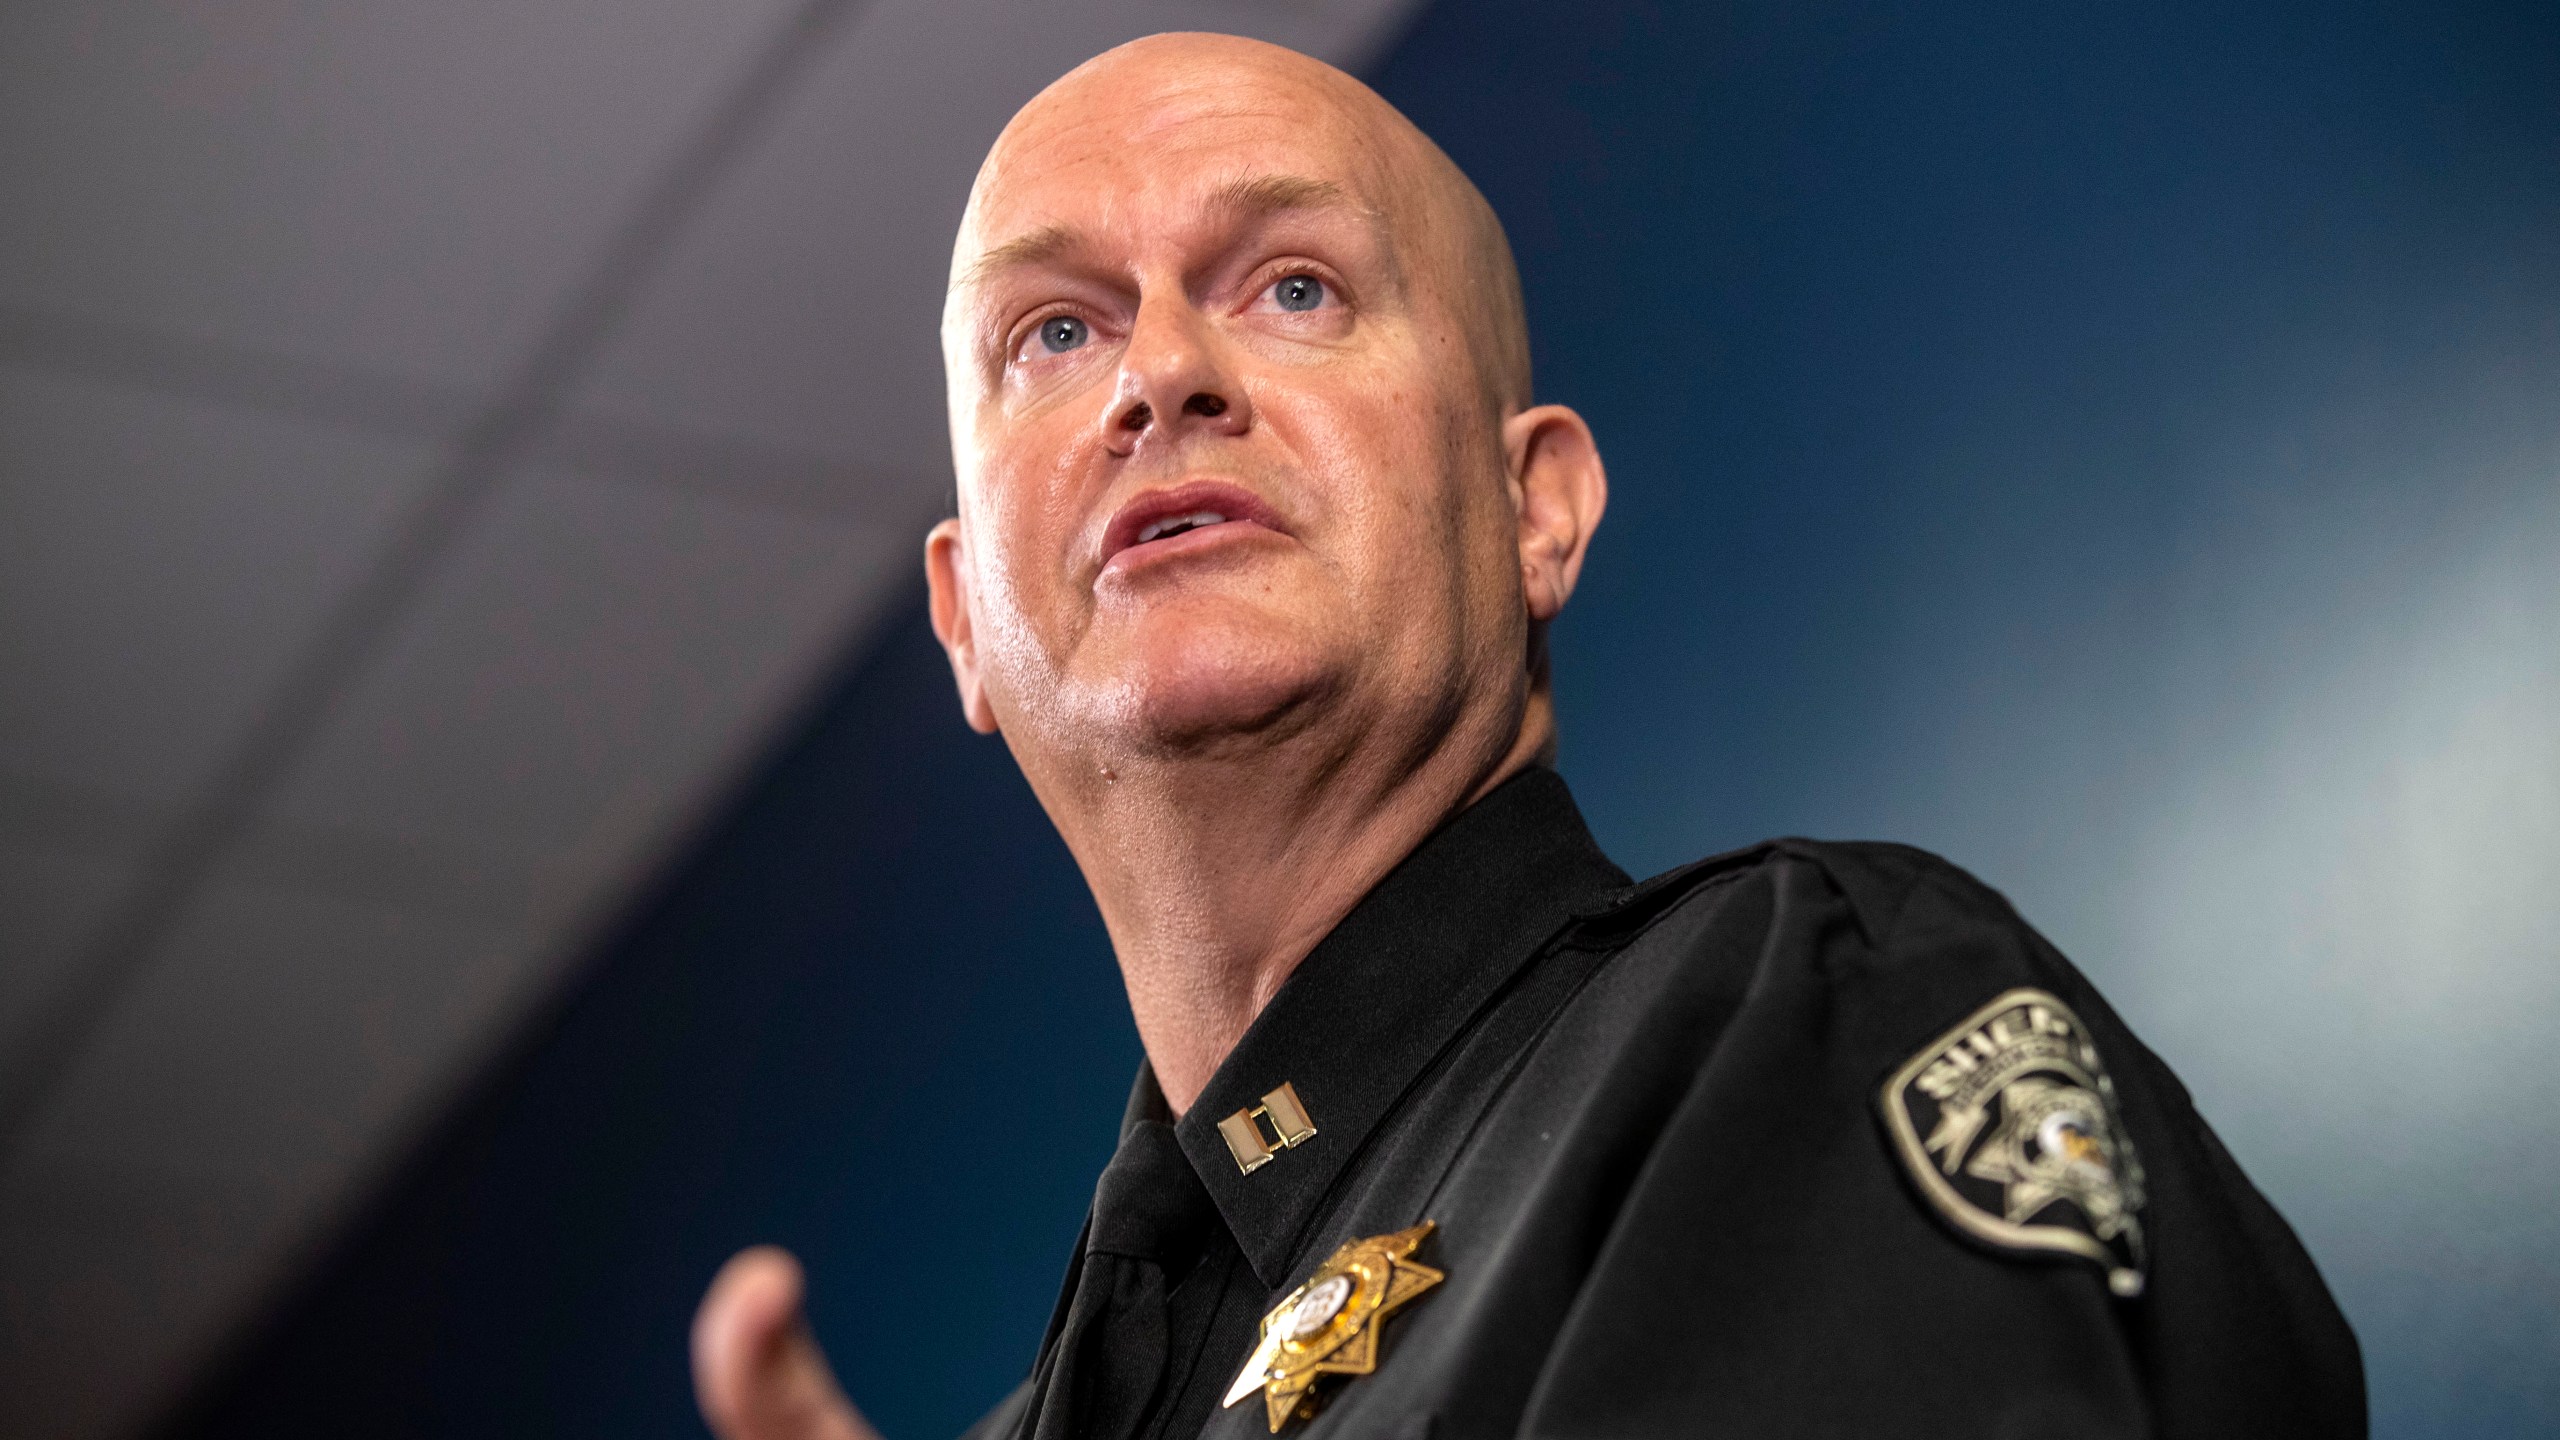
(1447, 1128)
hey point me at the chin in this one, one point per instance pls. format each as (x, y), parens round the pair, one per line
(1189, 682)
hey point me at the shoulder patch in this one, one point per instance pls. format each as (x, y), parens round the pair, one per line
(2009, 1127)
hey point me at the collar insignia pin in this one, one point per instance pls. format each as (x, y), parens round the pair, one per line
(1290, 1124)
(1329, 1325)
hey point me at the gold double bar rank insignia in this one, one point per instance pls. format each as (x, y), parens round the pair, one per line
(1329, 1325)
(1290, 1124)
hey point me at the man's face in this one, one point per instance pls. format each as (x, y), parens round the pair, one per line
(1226, 462)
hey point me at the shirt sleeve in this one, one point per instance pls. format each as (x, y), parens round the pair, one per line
(1777, 1269)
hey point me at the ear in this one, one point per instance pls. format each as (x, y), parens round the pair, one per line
(946, 578)
(1559, 488)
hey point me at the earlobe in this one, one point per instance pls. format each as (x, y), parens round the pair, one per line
(946, 578)
(1560, 488)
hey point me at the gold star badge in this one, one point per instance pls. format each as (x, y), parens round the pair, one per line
(1329, 1326)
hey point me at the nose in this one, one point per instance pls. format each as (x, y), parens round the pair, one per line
(1173, 381)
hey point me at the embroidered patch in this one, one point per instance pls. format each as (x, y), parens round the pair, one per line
(2008, 1124)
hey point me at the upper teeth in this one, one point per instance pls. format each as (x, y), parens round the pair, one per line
(1176, 524)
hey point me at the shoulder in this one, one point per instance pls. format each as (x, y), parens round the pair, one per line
(1873, 900)
(1864, 953)
(1897, 1011)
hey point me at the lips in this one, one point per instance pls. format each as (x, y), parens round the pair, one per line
(1160, 517)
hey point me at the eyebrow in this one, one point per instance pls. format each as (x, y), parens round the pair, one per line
(1041, 245)
(1262, 195)
(1254, 197)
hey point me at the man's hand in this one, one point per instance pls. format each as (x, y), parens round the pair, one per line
(757, 1371)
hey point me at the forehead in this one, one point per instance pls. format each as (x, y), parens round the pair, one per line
(1114, 153)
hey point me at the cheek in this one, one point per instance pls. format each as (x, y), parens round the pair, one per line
(1410, 488)
(1372, 446)
(1027, 487)
(1020, 528)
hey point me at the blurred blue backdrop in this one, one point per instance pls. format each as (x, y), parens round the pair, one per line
(2115, 446)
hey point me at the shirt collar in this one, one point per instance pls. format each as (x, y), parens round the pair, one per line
(1399, 979)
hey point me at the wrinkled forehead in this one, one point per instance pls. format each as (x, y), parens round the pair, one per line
(1104, 154)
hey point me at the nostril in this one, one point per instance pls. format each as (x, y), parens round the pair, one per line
(1205, 403)
(1138, 416)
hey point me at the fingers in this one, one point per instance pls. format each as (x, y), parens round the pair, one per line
(757, 1371)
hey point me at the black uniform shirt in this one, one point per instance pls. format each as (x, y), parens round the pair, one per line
(1654, 1128)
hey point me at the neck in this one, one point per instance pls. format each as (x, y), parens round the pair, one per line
(1216, 876)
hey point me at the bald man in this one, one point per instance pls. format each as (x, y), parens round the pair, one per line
(1447, 1128)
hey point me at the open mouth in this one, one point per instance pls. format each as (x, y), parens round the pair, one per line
(1173, 525)
(1188, 509)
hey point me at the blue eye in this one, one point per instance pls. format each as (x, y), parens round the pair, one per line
(1299, 292)
(1062, 333)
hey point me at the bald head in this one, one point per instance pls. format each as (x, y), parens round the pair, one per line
(1325, 138)
(1241, 421)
